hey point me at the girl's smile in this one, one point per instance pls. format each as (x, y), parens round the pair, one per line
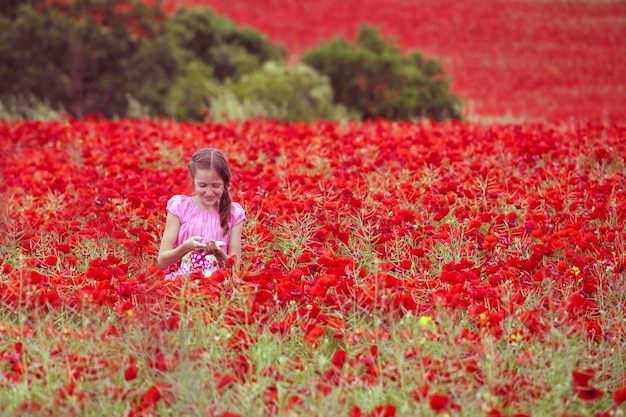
(209, 187)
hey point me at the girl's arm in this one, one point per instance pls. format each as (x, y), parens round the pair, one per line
(168, 252)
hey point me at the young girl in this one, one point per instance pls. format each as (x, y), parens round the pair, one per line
(202, 230)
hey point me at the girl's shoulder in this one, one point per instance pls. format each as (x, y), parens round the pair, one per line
(179, 203)
(234, 206)
(237, 212)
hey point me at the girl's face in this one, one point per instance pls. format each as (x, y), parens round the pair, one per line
(209, 187)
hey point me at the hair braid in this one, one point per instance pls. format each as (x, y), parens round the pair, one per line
(225, 203)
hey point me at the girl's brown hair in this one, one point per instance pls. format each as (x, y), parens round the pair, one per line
(210, 158)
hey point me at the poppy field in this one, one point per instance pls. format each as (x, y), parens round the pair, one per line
(389, 269)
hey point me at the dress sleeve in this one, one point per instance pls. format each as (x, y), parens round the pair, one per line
(174, 205)
(237, 214)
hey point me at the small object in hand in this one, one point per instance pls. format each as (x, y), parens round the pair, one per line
(218, 245)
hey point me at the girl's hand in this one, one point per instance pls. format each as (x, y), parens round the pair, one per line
(214, 247)
(195, 244)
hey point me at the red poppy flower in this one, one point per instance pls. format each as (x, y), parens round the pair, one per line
(386, 410)
(355, 411)
(150, 396)
(313, 333)
(589, 393)
(339, 358)
(582, 378)
(229, 414)
(131, 372)
(224, 381)
(51, 260)
(619, 395)
(439, 402)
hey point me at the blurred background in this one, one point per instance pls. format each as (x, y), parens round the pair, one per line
(484, 60)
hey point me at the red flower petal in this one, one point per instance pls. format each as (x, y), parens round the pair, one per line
(619, 396)
(131, 372)
(582, 378)
(339, 358)
(386, 410)
(589, 393)
(151, 396)
(439, 402)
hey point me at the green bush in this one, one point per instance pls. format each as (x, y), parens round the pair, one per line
(374, 78)
(93, 56)
(231, 51)
(190, 95)
(86, 57)
(225, 105)
(281, 92)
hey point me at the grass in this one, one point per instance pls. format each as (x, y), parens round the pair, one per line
(76, 365)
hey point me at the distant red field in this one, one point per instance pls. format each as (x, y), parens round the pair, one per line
(508, 60)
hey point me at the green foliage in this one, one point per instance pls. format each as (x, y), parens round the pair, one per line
(287, 93)
(374, 78)
(150, 72)
(225, 105)
(86, 56)
(229, 50)
(131, 60)
(189, 96)
(28, 108)
(94, 56)
(8, 8)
